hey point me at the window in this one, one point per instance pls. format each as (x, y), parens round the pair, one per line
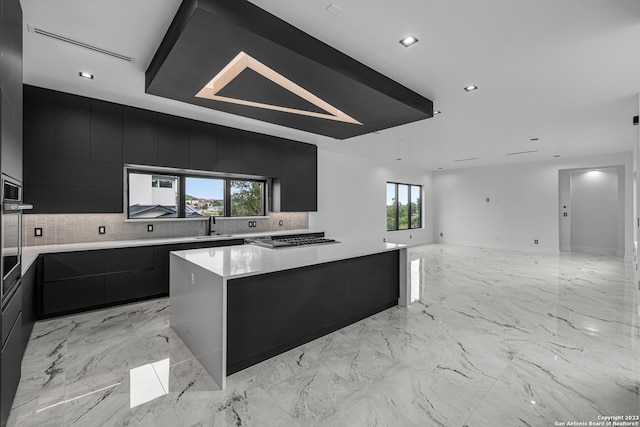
(204, 197)
(404, 206)
(158, 195)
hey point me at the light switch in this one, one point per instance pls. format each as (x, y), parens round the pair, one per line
(150, 228)
(37, 232)
(102, 229)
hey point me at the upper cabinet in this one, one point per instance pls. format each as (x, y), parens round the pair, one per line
(295, 189)
(173, 141)
(75, 149)
(139, 136)
(202, 146)
(239, 151)
(11, 88)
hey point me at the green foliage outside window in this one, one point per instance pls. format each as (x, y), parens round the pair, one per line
(246, 198)
(404, 206)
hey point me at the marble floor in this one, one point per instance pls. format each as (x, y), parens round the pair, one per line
(493, 338)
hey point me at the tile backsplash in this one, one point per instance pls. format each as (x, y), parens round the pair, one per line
(81, 228)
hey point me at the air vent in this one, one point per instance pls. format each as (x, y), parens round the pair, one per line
(467, 160)
(517, 153)
(78, 43)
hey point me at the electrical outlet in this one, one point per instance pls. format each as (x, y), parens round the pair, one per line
(255, 224)
(384, 240)
(102, 229)
(150, 228)
(250, 224)
(441, 234)
(488, 200)
(535, 241)
(281, 222)
(37, 232)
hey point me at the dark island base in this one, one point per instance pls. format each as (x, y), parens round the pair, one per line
(254, 360)
(272, 313)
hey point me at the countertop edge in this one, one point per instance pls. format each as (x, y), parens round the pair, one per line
(361, 251)
(31, 253)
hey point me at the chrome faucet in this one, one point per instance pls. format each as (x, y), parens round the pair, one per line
(212, 222)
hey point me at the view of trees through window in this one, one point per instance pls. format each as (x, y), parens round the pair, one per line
(159, 196)
(404, 206)
(247, 198)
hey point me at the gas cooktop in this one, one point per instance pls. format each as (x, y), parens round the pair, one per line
(289, 241)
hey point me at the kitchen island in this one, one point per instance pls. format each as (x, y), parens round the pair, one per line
(236, 306)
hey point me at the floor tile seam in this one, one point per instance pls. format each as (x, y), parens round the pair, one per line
(488, 392)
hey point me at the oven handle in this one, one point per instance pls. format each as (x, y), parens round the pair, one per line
(17, 206)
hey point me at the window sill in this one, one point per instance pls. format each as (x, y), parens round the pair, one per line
(218, 218)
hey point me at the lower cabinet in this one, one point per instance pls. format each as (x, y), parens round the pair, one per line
(129, 286)
(77, 281)
(10, 368)
(272, 313)
(68, 295)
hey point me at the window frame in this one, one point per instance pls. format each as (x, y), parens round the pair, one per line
(409, 210)
(181, 183)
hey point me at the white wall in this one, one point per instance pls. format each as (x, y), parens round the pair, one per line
(352, 199)
(523, 203)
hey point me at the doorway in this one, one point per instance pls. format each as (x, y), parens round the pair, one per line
(592, 210)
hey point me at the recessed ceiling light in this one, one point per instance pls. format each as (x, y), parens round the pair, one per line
(408, 41)
(471, 88)
(86, 75)
(557, 155)
(534, 139)
(436, 112)
(398, 158)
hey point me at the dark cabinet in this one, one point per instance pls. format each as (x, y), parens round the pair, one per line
(72, 153)
(106, 132)
(272, 313)
(297, 304)
(131, 286)
(271, 156)
(334, 293)
(71, 127)
(72, 294)
(202, 146)
(11, 51)
(139, 136)
(295, 190)
(77, 281)
(29, 302)
(38, 117)
(173, 141)
(75, 149)
(10, 368)
(11, 88)
(238, 151)
(251, 323)
(11, 138)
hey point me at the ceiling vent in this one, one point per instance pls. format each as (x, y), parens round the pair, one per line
(517, 153)
(40, 31)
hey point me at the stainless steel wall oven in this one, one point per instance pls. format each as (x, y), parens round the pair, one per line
(11, 235)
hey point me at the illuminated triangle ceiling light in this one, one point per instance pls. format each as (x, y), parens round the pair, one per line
(233, 57)
(243, 61)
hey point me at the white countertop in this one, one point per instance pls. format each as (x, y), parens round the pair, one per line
(238, 261)
(30, 253)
